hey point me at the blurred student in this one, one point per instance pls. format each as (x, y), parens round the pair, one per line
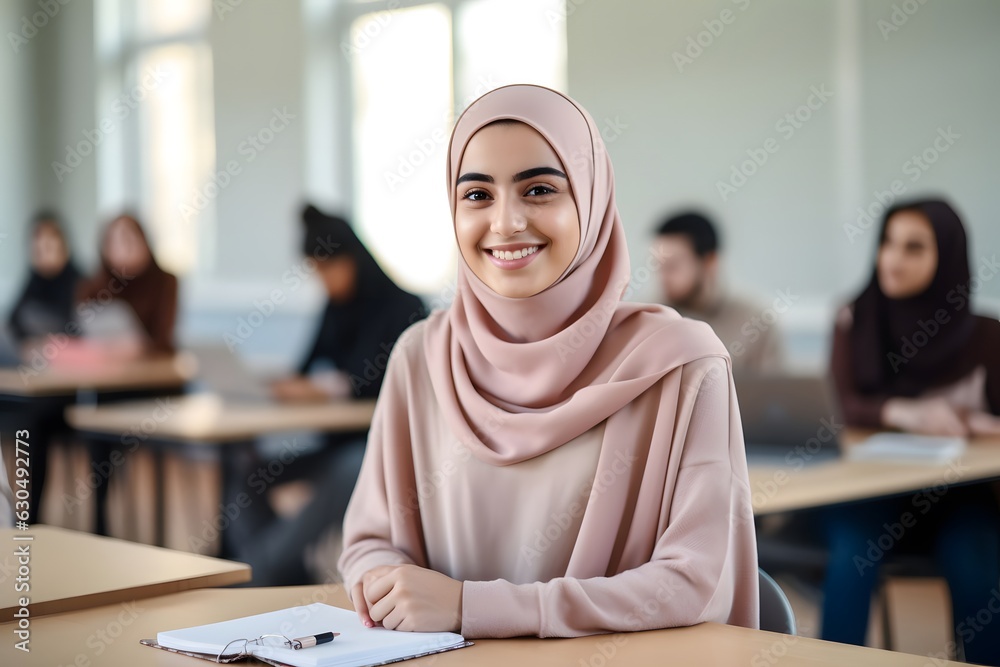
(909, 354)
(45, 306)
(365, 313)
(539, 400)
(688, 248)
(130, 282)
(129, 275)
(46, 302)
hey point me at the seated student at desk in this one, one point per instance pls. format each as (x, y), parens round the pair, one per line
(130, 275)
(45, 306)
(546, 459)
(364, 316)
(46, 302)
(365, 313)
(909, 354)
(688, 248)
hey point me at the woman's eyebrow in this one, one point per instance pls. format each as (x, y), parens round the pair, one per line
(473, 176)
(537, 171)
(518, 177)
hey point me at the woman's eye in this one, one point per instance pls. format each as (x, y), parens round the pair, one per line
(475, 195)
(539, 190)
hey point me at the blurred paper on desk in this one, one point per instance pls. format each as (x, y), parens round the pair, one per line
(907, 447)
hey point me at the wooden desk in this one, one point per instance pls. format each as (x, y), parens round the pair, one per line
(782, 488)
(109, 636)
(164, 373)
(209, 420)
(205, 419)
(71, 570)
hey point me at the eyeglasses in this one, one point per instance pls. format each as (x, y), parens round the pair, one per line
(270, 641)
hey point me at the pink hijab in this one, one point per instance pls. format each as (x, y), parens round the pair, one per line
(518, 377)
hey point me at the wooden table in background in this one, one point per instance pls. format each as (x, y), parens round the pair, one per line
(206, 419)
(70, 570)
(782, 488)
(141, 374)
(200, 420)
(77, 638)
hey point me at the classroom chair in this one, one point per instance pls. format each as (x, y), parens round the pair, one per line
(776, 613)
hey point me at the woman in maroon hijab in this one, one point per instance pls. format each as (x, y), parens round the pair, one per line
(909, 354)
(129, 273)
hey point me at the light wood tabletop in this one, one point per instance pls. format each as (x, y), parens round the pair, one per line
(161, 373)
(206, 418)
(109, 636)
(68, 570)
(789, 486)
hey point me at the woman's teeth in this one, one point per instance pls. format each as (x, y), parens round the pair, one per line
(517, 254)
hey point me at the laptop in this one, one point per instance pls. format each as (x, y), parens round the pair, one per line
(788, 419)
(222, 372)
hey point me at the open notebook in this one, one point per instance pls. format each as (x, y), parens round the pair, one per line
(356, 646)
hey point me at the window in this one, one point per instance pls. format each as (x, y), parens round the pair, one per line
(155, 67)
(413, 69)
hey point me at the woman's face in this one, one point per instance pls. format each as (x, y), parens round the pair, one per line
(908, 256)
(48, 251)
(339, 276)
(125, 250)
(515, 217)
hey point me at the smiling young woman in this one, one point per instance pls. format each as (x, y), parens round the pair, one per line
(516, 220)
(546, 459)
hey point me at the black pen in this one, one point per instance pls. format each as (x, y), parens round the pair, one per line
(313, 640)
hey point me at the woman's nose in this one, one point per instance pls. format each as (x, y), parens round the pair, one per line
(508, 219)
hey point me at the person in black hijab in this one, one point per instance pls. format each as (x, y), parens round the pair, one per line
(909, 354)
(46, 302)
(364, 316)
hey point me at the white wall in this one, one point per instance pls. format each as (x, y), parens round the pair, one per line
(17, 142)
(686, 126)
(679, 132)
(67, 110)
